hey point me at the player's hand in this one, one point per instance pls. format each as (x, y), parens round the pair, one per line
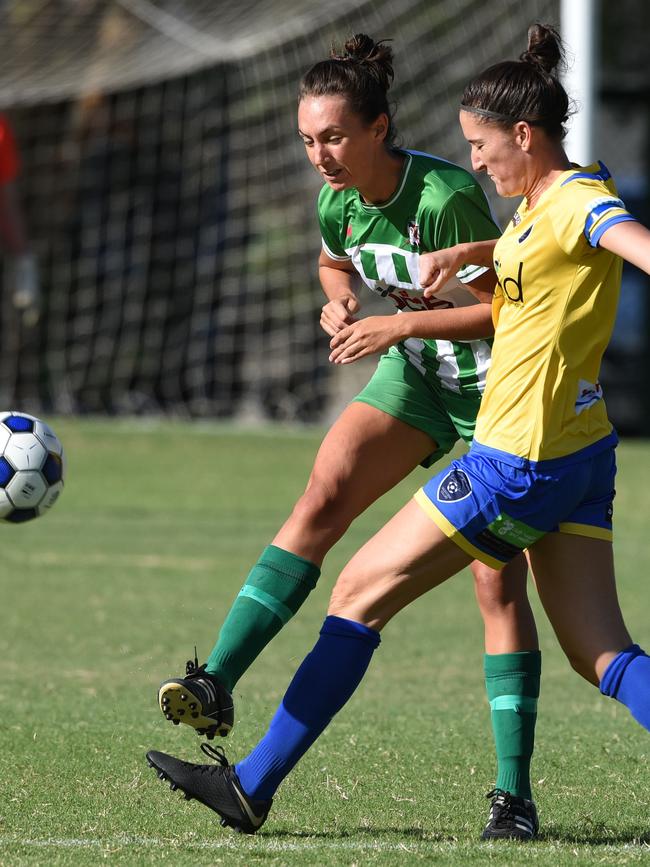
(437, 268)
(339, 313)
(365, 337)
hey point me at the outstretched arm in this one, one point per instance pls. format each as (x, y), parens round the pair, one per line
(631, 241)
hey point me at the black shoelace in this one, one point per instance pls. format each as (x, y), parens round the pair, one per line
(192, 666)
(217, 754)
(502, 806)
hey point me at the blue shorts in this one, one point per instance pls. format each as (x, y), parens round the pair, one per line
(494, 505)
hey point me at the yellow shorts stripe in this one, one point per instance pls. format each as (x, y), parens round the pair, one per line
(453, 533)
(587, 530)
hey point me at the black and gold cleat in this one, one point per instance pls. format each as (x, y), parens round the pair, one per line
(215, 786)
(199, 700)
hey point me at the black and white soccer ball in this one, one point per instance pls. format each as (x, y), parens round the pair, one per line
(32, 467)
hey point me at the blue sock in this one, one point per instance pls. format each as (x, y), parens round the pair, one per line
(627, 679)
(326, 679)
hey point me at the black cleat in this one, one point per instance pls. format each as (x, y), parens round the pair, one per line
(199, 700)
(511, 818)
(216, 786)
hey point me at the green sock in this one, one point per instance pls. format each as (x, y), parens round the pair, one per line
(277, 586)
(512, 683)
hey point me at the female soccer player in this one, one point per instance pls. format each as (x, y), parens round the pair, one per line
(380, 208)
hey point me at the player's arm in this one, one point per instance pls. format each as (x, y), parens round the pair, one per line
(631, 241)
(378, 333)
(339, 281)
(442, 265)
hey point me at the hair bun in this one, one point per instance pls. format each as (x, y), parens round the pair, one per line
(544, 48)
(359, 47)
(376, 57)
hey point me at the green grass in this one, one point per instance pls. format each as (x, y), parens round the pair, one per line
(153, 536)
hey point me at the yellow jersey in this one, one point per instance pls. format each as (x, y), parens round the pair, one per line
(554, 307)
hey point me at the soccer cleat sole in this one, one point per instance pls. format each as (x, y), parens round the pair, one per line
(164, 777)
(179, 705)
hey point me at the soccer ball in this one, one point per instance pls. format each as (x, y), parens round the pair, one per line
(32, 467)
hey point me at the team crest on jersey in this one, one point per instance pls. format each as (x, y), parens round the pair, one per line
(414, 233)
(589, 393)
(516, 219)
(455, 486)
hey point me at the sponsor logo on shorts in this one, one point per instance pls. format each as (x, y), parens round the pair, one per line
(506, 537)
(455, 486)
(514, 532)
(609, 513)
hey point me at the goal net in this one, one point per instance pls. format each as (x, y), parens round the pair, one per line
(168, 198)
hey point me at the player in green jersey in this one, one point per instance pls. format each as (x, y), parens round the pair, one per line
(539, 475)
(381, 207)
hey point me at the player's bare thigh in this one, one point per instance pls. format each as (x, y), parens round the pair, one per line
(365, 453)
(407, 557)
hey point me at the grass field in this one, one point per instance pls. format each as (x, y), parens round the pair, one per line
(140, 559)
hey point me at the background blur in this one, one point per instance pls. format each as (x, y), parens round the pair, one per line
(170, 209)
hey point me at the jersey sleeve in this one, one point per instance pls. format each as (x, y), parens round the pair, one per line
(465, 216)
(9, 163)
(584, 214)
(331, 225)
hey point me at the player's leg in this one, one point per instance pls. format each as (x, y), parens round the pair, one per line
(574, 571)
(365, 453)
(512, 666)
(575, 580)
(409, 556)
(396, 422)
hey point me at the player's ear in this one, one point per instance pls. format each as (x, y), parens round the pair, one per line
(523, 134)
(380, 126)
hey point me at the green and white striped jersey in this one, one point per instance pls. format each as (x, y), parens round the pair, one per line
(436, 204)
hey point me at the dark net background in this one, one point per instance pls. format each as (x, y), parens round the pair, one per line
(172, 209)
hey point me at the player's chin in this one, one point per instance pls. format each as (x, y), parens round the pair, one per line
(339, 182)
(504, 190)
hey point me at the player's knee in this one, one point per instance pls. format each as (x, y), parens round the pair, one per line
(583, 665)
(321, 506)
(493, 590)
(347, 595)
(582, 659)
(342, 599)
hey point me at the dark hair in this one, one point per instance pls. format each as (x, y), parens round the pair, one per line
(526, 89)
(362, 72)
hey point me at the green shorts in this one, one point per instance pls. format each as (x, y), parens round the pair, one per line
(399, 389)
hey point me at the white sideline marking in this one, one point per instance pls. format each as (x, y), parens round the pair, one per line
(261, 843)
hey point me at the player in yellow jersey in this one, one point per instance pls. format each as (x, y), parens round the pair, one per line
(539, 475)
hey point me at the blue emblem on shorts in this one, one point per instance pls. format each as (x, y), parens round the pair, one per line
(455, 486)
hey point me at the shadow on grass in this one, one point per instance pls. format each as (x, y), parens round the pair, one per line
(596, 836)
(417, 834)
(551, 834)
